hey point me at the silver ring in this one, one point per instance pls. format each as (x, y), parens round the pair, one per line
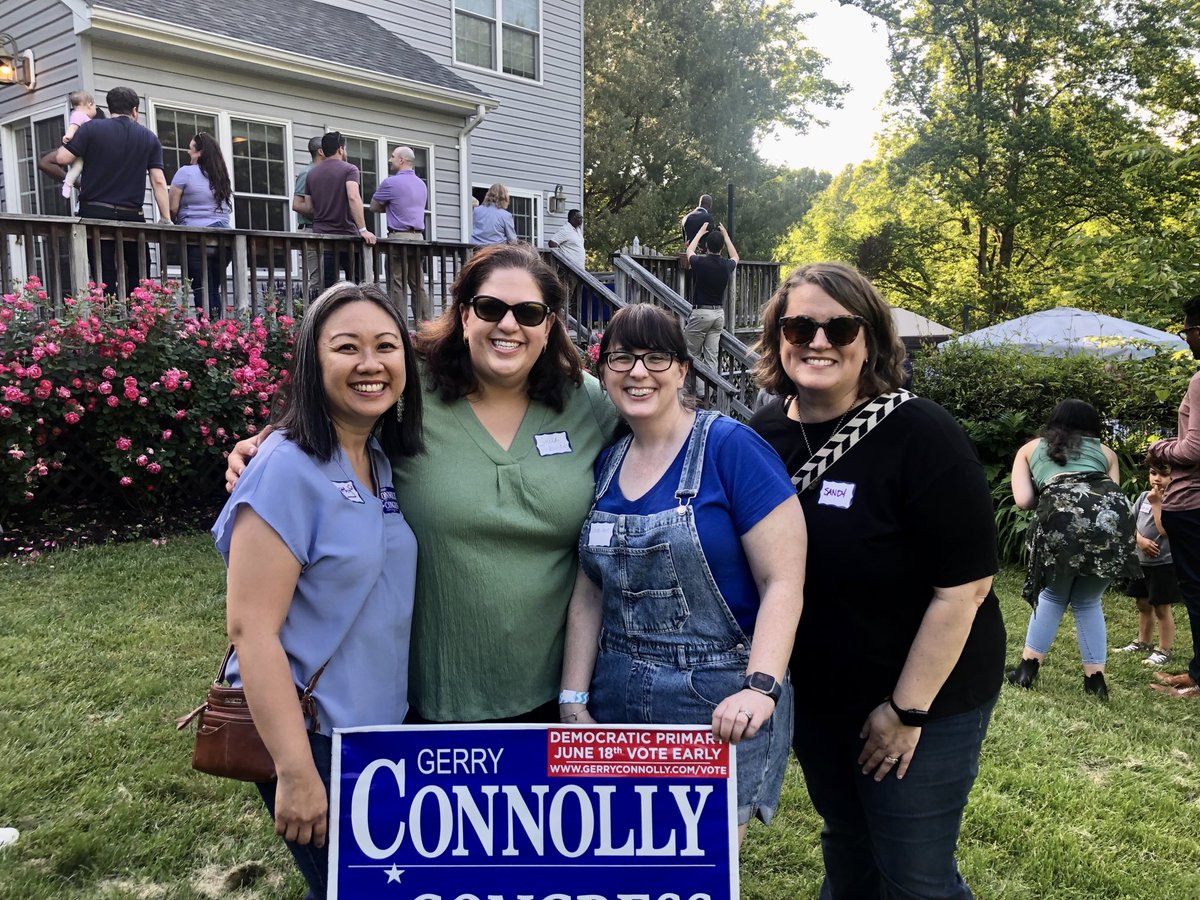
(892, 759)
(749, 715)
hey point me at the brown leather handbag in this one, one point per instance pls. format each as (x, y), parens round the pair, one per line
(227, 742)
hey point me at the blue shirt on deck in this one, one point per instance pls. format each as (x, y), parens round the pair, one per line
(743, 481)
(353, 603)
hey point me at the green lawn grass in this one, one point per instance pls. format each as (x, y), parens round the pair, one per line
(100, 650)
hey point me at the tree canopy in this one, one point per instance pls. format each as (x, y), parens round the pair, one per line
(675, 95)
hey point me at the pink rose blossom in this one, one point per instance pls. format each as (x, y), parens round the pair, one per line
(34, 371)
(16, 453)
(180, 415)
(125, 481)
(142, 401)
(113, 401)
(124, 444)
(5, 412)
(142, 459)
(108, 372)
(105, 388)
(166, 435)
(71, 418)
(154, 468)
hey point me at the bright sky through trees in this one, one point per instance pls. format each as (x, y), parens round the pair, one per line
(858, 56)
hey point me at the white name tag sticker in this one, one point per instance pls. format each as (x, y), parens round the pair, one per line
(553, 443)
(836, 493)
(349, 491)
(600, 534)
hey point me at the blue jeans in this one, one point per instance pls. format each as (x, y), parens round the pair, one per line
(1082, 593)
(312, 862)
(892, 839)
(216, 264)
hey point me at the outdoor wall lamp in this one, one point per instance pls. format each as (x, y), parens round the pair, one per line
(557, 202)
(16, 67)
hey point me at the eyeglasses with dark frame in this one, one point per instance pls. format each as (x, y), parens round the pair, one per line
(653, 360)
(493, 309)
(839, 331)
(1184, 332)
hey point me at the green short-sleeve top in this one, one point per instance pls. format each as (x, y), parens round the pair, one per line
(497, 531)
(1090, 458)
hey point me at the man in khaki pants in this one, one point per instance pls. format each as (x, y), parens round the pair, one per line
(403, 195)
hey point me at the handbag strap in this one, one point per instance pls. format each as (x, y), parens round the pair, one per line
(307, 704)
(848, 435)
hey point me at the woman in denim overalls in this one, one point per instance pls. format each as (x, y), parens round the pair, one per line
(688, 596)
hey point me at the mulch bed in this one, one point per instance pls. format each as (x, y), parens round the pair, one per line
(30, 532)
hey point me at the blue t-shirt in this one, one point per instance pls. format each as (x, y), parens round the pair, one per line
(743, 481)
(353, 602)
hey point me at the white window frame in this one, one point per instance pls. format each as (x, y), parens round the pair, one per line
(538, 198)
(225, 139)
(497, 69)
(8, 150)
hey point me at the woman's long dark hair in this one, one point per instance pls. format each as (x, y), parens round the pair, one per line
(304, 409)
(1070, 422)
(212, 164)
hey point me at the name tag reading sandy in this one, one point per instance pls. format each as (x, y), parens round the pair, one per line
(553, 443)
(836, 493)
(600, 534)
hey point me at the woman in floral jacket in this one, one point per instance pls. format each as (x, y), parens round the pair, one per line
(1080, 539)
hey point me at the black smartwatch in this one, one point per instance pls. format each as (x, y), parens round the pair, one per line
(913, 718)
(764, 684)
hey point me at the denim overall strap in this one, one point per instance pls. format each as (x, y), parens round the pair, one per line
(612, 465)
(693, 463)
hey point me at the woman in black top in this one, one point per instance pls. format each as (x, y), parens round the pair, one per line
(890, 719)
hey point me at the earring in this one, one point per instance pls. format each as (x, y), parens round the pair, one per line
(400, 409)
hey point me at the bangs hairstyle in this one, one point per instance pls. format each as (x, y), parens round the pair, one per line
(1069, 422)
(643, 326)
(443, 346)
(304, 410)
(846, 285)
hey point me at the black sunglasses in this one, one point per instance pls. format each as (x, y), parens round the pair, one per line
(840, 330)
(493, 309)
(1184, 332)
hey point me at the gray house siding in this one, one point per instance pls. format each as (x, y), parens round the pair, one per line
(46, 27)
(534, 140)
(306, 108)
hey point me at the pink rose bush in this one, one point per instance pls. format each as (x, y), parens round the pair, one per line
(131, 398)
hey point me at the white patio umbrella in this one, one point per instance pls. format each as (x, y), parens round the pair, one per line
(1066, 331)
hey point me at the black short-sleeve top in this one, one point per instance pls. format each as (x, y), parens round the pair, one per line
(906, 510)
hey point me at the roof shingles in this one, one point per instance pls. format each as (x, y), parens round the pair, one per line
(309, 28)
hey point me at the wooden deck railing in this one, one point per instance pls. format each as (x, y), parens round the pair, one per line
(259, 266)
(752, 284)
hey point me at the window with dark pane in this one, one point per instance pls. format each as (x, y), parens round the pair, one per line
(175, 129)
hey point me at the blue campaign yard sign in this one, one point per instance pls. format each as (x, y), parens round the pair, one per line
(533, 812)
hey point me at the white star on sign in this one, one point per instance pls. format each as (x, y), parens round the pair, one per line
(394, 874)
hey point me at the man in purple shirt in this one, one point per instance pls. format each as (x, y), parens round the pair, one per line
(403, 196)
(333, 200)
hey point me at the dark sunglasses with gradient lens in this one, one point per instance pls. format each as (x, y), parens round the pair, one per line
(653, 360)
(840, 330)
(527, 312)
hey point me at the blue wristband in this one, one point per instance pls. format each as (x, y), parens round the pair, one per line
(573, 697)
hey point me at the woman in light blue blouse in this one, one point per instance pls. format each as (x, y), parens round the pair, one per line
(491, 222)
(322, 564)
(200, 197)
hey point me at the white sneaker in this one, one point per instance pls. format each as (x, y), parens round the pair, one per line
(1159, 657)
(1133, 647)
(8, 836)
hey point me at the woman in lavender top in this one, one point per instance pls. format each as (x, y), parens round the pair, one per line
(201, 197)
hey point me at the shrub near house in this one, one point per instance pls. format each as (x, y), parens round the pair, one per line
(131, 398)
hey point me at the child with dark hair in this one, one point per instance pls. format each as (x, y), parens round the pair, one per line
(1158, 588)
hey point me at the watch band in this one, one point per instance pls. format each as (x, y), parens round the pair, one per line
(763, 684)
(913, 718)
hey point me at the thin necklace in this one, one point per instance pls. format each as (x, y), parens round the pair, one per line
(804, 434)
